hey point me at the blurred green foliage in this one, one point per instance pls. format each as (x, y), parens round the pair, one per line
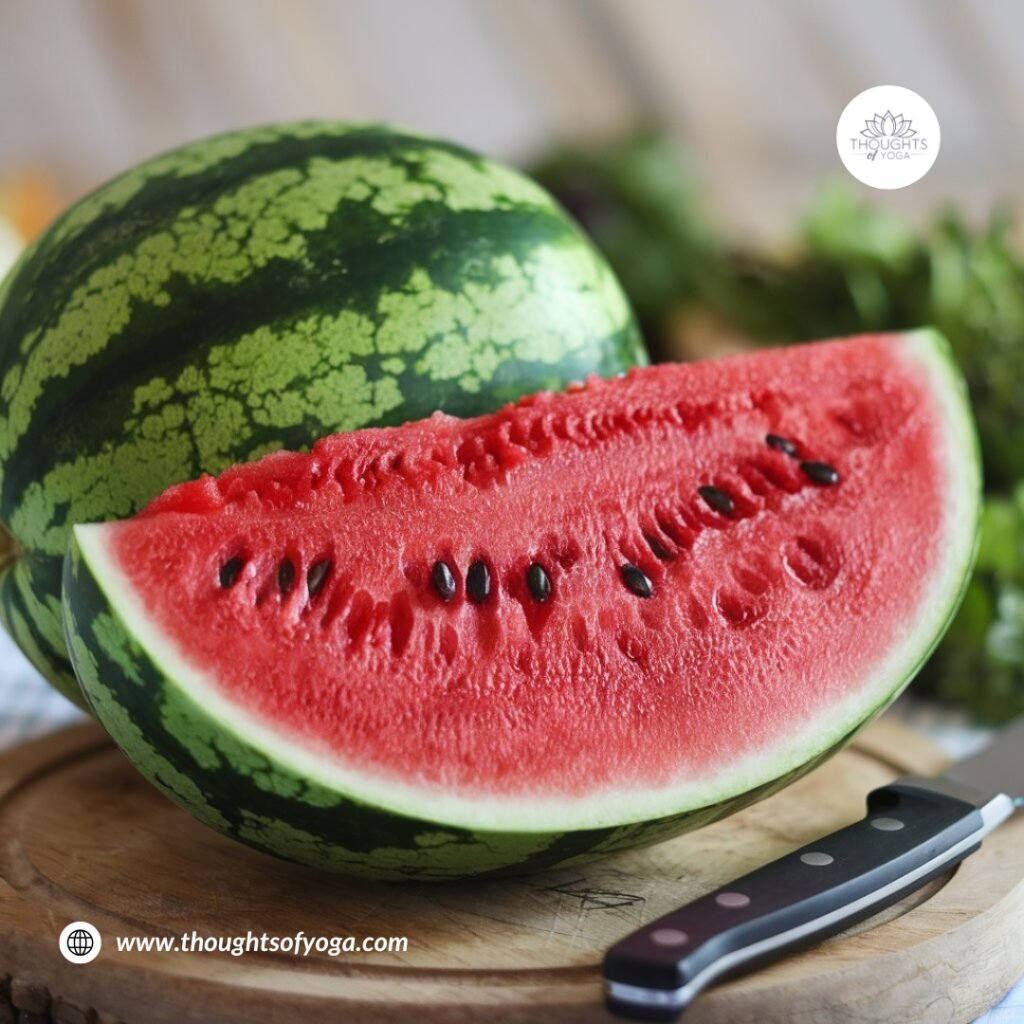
(849, 268)
(980, 661)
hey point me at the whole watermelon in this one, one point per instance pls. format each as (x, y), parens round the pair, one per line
(254, 291)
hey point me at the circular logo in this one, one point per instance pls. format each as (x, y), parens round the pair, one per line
(888, 137)
(80, 942)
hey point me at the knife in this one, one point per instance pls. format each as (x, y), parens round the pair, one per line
(915, 828)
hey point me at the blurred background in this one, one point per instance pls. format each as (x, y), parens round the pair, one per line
(753, 88)
(695, 140)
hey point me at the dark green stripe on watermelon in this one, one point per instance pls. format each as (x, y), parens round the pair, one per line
(261, 289)
(205, 767)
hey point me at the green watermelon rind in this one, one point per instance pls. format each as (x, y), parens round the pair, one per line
(257, 290)
(222, 767)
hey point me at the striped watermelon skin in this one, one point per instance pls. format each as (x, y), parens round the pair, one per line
(239, 790)
(260, 289)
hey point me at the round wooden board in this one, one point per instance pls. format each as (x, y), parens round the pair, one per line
(83, 837)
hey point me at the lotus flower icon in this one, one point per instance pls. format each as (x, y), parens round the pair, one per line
(887, 126)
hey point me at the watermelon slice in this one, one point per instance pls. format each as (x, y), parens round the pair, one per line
(588, 621)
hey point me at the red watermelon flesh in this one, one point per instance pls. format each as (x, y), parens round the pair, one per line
(745, 559)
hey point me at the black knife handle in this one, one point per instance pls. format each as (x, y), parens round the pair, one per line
(913, 831)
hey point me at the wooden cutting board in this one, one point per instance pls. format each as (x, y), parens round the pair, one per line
(83, 837)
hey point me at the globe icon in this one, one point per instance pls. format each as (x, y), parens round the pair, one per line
(80, 942)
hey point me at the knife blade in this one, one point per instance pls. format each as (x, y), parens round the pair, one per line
(915, 829)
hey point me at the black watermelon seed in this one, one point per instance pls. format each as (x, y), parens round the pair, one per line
(285, 576)
(539, 582)
(229, 571)
(820, 473)
(443, 580)
(636, 580)
(781, 444)
(717, 499)
(478, 582)
(316, 576)
(658, 549)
